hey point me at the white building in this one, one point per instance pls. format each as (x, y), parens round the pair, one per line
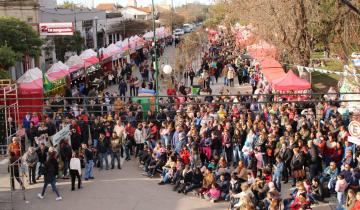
(136, 13)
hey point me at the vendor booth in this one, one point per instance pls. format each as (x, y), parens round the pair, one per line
(290, 82)
(271, 69)
(57, 75)
(30, 86)
(262, 50)
(146, 98)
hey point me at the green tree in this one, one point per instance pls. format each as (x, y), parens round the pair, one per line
(65, 44)
(8, 57)
(169, 18)
(68, 5)
(19, 36)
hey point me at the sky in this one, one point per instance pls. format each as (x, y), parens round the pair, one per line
(89, 3)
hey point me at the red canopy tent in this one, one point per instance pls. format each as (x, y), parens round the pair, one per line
(269, 63)
(262, 50)
(290, 82)
(30, 86)
(271, 69)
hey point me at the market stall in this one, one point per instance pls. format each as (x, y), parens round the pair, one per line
(271, 69)
(262, 50)
(30, 86)
(289, 82)
(57, 75)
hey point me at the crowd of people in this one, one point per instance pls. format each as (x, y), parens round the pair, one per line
(236, 148)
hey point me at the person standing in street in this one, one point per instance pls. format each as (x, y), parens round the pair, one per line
(122, 89)
(102, 148)
(89, 162)
(51, 170)
(116, 143)
(14, 171)
(191, 76)
(31, 160)
(65, 154)
(75, 171)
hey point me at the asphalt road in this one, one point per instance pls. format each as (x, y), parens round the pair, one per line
(124, 189)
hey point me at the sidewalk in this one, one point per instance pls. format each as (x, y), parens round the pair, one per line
(169, 58)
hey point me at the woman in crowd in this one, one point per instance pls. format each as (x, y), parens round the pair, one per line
(51, 170)
(75, 170)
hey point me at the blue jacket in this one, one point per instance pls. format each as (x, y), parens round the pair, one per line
(279, 168)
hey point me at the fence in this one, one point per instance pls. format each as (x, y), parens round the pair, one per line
(16, 183)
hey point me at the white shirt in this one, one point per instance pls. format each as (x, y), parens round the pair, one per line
(75, 164)
(139, 139)
(119, 130)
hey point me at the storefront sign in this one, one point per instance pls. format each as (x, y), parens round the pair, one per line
(55, 29)
(62, 134)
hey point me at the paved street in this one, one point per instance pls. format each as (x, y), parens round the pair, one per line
(124, 189)
(169, 58)
(115, 189)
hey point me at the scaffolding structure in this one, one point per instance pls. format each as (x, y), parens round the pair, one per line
(9, 110)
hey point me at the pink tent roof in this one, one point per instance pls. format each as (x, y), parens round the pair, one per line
(112, 49)
(268, 63)
(31, 79)
(57, 71)
(91, 61)
(262, 50)
(273, 74)
(75, 63)
(290, 81)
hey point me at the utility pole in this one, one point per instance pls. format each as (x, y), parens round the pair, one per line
(96, 33)
(155, 59)
(172, 17)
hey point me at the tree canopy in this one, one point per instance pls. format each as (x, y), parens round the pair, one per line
(19, 36)
(68, 5)
(8, 57)
(65, 44)
(295, 27)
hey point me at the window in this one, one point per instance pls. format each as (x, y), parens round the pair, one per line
(29, 19)
(110, 39)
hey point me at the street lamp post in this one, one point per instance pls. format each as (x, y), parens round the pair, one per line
(96, 35)
(155, 59)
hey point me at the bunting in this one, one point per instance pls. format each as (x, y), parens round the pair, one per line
(324, 71)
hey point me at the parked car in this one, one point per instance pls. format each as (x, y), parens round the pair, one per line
(179, 32)
(187, 29)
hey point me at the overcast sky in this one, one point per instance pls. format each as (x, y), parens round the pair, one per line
(89, 3)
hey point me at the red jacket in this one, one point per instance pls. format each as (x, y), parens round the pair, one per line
(356, 206)
(185, 156)
(130, 130)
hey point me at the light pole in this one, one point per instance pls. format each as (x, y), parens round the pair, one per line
(96, 37)
(155, 59)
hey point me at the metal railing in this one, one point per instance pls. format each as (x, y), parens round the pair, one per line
(3, 150)
(16, 178)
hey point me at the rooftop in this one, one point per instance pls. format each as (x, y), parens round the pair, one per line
(107, 6)
(143, 9)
